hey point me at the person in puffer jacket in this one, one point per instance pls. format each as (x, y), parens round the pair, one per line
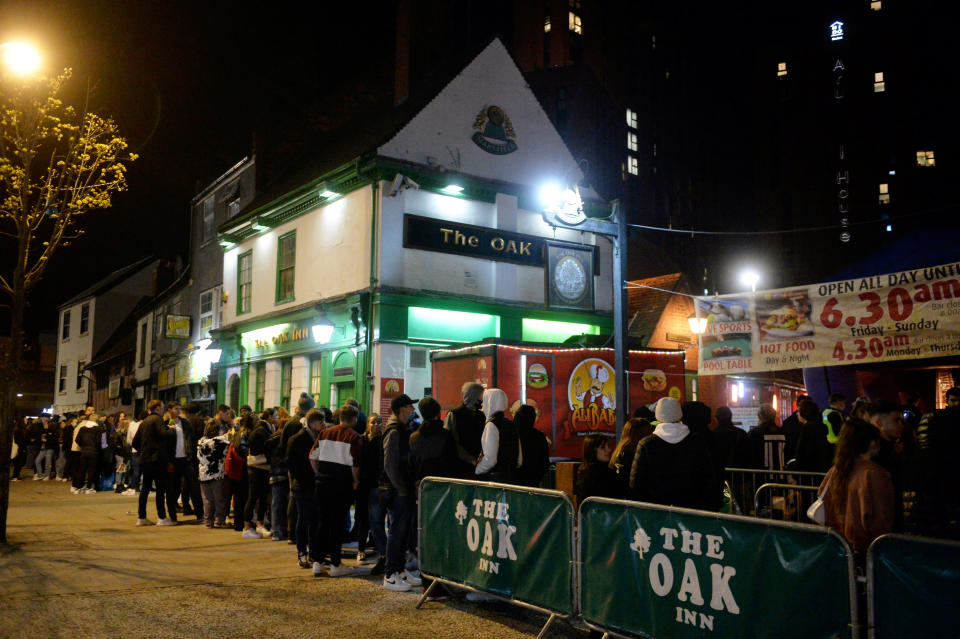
(673, 468)
(87, 438)
(214, 486)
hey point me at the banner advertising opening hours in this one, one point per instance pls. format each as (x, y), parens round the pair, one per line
(908, 315)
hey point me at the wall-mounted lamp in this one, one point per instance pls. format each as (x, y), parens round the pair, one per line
(698, 325)
(322, 328)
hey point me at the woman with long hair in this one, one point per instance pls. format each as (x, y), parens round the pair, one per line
(595, 476)
(857, 492)
(239, 487)
(622, 458)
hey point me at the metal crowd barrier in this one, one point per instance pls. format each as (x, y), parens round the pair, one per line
(786, 502)
(913, 586)
(744, 483)
(512, 543)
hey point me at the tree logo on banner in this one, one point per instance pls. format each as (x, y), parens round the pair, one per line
(591, 395)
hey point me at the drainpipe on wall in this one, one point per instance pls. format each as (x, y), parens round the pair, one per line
(375, 190)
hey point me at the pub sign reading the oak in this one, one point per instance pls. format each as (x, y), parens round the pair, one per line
(429, 234)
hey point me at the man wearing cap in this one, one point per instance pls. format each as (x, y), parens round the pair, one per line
(466, 423)
(396, 488)
(671, 467)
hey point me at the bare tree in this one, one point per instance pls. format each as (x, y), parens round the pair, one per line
(56, 165)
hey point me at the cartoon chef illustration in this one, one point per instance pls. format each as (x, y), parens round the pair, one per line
(594, 396)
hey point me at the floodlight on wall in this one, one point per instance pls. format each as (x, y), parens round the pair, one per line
(257, 226)
(322, 329)
(452, 189)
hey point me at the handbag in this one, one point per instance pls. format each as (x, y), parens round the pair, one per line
(233, 465)
(817, 512)
(258, 461)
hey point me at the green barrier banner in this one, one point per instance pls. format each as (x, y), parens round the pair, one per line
(509, 541)
(915, 587)
(661, 572)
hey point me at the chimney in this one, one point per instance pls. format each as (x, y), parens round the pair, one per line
(401, 72)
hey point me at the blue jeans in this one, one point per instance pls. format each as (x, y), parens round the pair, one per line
(278, 509)
(378, 522)
(135, 465)
(306, 522)
(397, 542)
(45, 460)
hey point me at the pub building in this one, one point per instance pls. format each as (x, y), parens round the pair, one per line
(420, 229)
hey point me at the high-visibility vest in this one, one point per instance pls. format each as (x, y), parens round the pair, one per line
(832, 437)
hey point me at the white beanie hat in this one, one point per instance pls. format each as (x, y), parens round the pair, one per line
(668, 411)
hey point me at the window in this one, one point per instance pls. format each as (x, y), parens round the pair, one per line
(158, 322)
(884, 194)
(286, 261)
(925, 158)
(781, 69)
(62, 386)
(209, 311)
(876, 5)
(878, 84)
(575, 24)
(244, 281)
(632, 141)
(632, 165)
(286, 375)
(546, 24)
(65, 334)
(80, 366)
(142, 357)
(84, 319)
(261, 384)
(208, 219)
(316, 368)
(631, 118)
(233, 207)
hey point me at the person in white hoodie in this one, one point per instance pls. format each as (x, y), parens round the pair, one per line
(500, 443)
(673, 467)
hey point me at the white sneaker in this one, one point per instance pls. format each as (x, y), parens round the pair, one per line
(46, 479)
(75, 491)
(412, 578)
(250, 533)
(341, 571)
(396, 583)
(263, 532)
(166, 521)
(89, 491)
(129, 491)
(37, 478)
(144, 522)
(318, 568)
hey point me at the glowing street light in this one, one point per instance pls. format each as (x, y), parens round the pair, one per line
(21, 58)
(698, 325)
(750, 278)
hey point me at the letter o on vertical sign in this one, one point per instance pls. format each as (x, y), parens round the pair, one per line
(473, 535)
(658, 563)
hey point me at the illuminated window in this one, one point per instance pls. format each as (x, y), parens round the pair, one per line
(781, 69)
(537, 330)
(450, 326)
(546, 24)
(884, 194)
(875, 5)
(879, 86)
(925, 158)
(575, 24)
(632, 141)
(286, 382)
(633, 167)
(316, 375)
(261, 383)
(631, 118)
(209, 307)
(244, 282)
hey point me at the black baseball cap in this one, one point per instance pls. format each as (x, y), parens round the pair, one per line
(399, 402)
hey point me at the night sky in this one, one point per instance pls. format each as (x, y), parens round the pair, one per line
(189, 83)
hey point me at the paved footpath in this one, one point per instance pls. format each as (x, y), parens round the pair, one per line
(77, 566)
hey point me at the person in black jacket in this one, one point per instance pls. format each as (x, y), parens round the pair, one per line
(595, 478)
(466, 423)
(536, 449)
(191, 478)
(814, 452)
(302, 480)
(149, 440)
(304, 405)
(696, 416)
(432, 449)
(502, 453)
(621, 460)
(731, 442)
(20, 439)
(673, 468)
(259, 476)
(370, 516)
(88, 439)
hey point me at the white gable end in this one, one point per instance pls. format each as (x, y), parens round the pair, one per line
(445, 130)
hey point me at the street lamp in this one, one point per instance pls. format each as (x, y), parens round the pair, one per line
(750, 278)
(21, 58)
(698, 325)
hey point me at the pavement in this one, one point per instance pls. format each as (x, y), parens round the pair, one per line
(77, 566)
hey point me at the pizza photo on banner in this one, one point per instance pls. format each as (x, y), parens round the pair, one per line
(912, 314)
